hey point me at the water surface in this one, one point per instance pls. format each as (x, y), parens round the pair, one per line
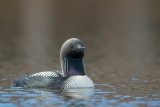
(122, 57)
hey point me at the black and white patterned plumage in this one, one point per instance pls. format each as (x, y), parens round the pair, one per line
(71, 76)
(49, 79)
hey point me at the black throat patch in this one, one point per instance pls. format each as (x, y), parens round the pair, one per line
(75, 67)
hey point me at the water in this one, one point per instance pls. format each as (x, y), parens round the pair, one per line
(102, 95)
(122, 56)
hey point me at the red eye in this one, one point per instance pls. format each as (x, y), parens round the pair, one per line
(72, 47)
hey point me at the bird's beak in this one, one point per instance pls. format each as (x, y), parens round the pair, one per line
(81, 48)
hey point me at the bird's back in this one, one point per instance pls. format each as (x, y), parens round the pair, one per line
(45, 79)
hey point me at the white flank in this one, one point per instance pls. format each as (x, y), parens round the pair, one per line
(78, 82)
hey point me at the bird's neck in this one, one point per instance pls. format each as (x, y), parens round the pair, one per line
(75, 67)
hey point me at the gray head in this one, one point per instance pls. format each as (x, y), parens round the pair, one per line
(72, 51)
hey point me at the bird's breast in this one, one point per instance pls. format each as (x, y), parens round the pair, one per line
(78, 82)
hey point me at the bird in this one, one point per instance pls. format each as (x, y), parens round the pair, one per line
(71, 76)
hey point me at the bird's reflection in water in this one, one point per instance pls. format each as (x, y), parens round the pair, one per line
(77, 97)
(77, 94)
(71, 97)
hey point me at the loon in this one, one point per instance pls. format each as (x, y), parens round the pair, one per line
(72, 74)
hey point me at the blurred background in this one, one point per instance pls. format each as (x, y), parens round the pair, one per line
(122, 39)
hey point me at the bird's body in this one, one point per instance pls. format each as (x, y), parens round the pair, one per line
(71, 76)
(49, 79)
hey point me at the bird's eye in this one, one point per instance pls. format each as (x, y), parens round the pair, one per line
(72, 47)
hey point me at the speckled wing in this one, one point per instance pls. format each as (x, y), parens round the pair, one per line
(45, 79)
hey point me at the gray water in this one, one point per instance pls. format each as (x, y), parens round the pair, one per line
(122, 57)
